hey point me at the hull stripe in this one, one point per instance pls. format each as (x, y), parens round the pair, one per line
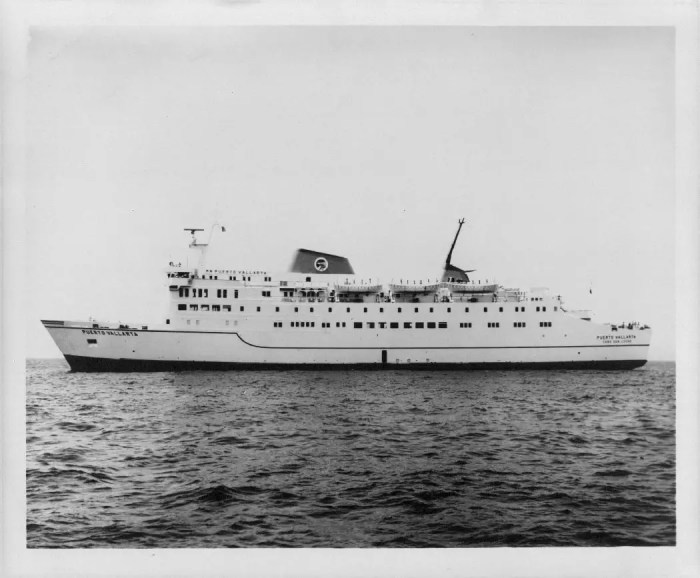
(100, 364)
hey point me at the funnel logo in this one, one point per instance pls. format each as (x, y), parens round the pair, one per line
(321, 264)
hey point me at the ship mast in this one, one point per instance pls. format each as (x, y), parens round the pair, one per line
(201, 247)
(449, 255)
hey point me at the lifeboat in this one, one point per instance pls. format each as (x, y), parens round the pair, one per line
(469, 287)
(413, 288)
(357, 288)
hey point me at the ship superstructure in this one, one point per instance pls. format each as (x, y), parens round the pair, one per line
(321, 314)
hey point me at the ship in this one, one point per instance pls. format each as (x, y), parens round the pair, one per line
(320, 315)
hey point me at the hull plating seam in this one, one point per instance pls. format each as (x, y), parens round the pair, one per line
(378, 347)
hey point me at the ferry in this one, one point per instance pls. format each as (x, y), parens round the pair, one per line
(319, 314)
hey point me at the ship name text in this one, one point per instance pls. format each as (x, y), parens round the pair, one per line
(612, 339)
(110, 332)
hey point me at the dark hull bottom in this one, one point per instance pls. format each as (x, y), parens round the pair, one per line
(98, 364)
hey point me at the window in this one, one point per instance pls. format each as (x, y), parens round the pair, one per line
(218, 293)
(167, 321)
(516, 309)
(415, 310)
(382, 325)
(518, 324)
(242, 308)
(194, 307)
(296, 310)
(365, 309)
(420, 325)
(545, 323)
(227, 308)
(431, 324)
(381, 310)
(399, 309)
(337, 323)
(494, 324)
(92, 341)
(394, 325)
(205, 307)
(544, 309)
(465, 324)
(500, 309)
(347, 310)
(357, 325)
(257, 309)
(522, 309)
(313, 324)
(442, 325)
(449, 309)
(206, 293)
(370, 324)
(556, 308)
(431, 309)
(407, 325)
(188, 322)
(182, 307)
(216, 307)
(538, 309)
(277, 309)
(486, 309)
(466, 309)
(307, 324)
(311, 309)
(330, 310)
(343, 323)
(235, 294)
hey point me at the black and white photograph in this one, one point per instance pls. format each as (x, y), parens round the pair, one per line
(302, 291)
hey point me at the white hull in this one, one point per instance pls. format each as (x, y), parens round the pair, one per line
(251, 343)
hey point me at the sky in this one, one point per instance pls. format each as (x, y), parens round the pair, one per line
(555, 144)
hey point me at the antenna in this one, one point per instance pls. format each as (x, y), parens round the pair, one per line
(193, 232)
(449, 255)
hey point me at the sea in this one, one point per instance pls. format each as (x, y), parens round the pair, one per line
(392, 458)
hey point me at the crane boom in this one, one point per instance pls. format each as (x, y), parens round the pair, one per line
(449, 255)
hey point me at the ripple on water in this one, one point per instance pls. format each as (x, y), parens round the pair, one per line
(333, 459)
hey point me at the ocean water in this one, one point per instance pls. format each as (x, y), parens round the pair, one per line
(350, 459)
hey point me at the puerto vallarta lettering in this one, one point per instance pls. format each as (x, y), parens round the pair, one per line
(110, 332)
(606, 339)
